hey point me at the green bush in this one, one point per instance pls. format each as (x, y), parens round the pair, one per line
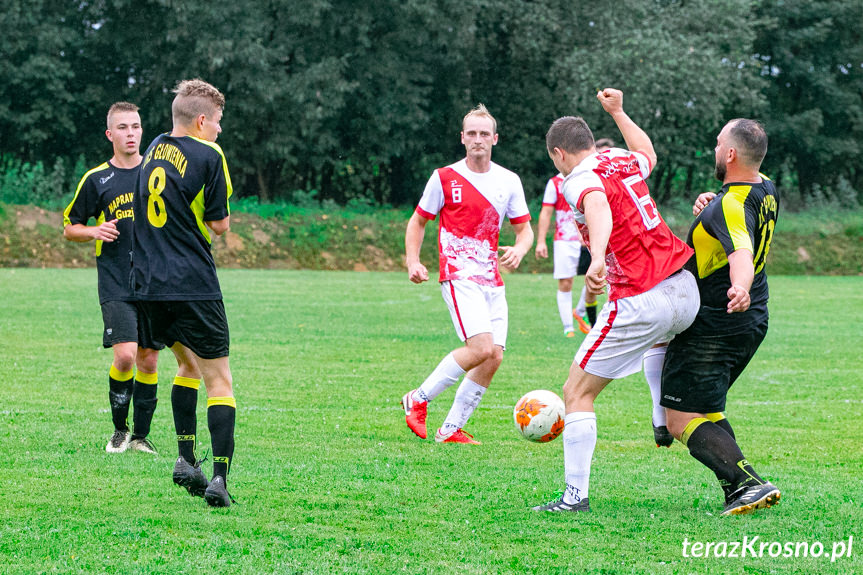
(39, 184)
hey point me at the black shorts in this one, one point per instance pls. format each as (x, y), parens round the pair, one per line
(199, 325)
(699, 369)
(124, 322)
(583, 260)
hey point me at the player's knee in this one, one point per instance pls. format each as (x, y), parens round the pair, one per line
(124, 359)
(147, 360)
(676, 422)
(486, 352)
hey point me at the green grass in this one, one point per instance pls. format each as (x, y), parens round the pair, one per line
(329, 480)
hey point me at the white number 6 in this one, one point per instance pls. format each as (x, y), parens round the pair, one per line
(645, 204)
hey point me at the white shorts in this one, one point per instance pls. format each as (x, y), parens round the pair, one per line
(566, 256)
(477, 309)
(628, 327)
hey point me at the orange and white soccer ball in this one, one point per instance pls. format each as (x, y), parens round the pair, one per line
(539, 416)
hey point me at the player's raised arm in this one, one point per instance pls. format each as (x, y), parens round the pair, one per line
(636, 139)
(414, 234)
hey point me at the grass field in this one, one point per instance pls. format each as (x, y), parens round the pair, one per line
(328, 479)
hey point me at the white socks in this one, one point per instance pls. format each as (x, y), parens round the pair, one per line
(581, 308)
(564, 308)
(466, 399)
(653, 359)
(579, 442)
(447, 372)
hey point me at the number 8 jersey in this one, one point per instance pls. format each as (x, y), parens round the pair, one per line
(642, 250)
(183, 183)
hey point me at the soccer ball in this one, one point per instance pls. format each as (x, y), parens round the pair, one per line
(539, 416)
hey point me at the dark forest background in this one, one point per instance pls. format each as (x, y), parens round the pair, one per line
(341, 101)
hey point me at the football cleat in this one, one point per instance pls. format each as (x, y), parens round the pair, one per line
(143, 445)
(190, 476)
(560, 505)
(457, 436)
(570, 333)
(582, 325)
(752, 497)
(662, 436)
(119, 442)
(216, 494)
(415, 414)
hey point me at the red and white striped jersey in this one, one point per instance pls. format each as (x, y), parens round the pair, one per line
(642, 250)
(472, 207)
(565, 226)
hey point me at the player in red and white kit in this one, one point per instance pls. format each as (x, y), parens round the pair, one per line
(651, 298)
(567, 251)
(472, 196)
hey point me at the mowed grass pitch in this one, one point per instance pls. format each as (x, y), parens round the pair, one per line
(328, 479)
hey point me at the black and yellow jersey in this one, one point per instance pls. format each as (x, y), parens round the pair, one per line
(183, 183)
(105, 194)
(741, 216)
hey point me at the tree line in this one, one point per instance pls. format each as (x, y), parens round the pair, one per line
(341, 100)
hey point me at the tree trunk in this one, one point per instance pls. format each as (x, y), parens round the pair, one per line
(263, 188)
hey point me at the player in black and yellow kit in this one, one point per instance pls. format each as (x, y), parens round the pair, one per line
(105, 194)
(182, 197)
(731, 236)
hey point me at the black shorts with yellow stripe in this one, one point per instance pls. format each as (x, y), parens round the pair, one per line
(200, 325)
(699, 368)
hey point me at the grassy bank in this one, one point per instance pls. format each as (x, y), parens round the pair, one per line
(366, 238)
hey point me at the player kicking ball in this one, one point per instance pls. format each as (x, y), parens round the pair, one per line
(472, 196)
(650, 296)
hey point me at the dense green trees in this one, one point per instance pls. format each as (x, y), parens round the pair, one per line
(361, 100)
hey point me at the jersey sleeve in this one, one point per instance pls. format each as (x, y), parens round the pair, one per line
(574, 189)
(218, 191)
(643, 164)
(84, 205)
(517, 210)
(432, 200)
(732, 224)
(549, 198)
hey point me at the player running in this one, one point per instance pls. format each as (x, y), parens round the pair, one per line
(650, 297)
(472, 196)
(105, 194)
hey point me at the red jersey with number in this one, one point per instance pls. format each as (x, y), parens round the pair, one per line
(642, 250)
(565, 226)
(472, 207)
